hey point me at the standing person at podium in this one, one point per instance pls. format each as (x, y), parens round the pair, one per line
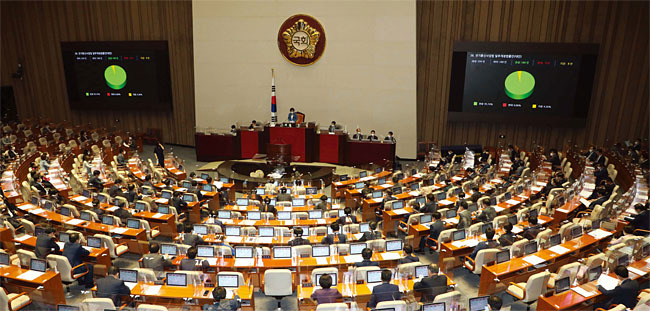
(358, 135)
(332, 127)
(373, 136)
(390, 138)
(293, 116)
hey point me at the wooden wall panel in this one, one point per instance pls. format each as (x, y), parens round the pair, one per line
(619, 104)
(32, 31)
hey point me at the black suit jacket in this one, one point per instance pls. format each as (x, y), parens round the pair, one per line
(45, 245)
(429, 207)
(430, 287)
(372, 235)
(329, 239)
(642, 221)
(625, 293)
(366, 263)
(191, 239)
(74, 252)
(384, 292)
(299, 241)
(347, 220)
(435, 229)
(113, 288)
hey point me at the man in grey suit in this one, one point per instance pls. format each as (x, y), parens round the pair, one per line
(283, 196)
(155, 260)
(190, 263)
(488, 214)
(112, 287)
(384, 291)
(189, 238)
(45, 244)
(464, 215)
(322, 205)
(432, 285)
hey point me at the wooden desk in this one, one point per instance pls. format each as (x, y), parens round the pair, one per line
(173, 295)
(98, 255)
(51, 292)
(172, 169)
(278, 223)
(166, 222)
(390, 218)
(495, 278)
(217, 147)
(363, 152)
(270, 241)
(6, 237)
(339, 186)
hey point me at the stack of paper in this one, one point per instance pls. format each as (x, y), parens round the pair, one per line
(559, 249)
(582, 292)
(37, 211)
(244, 262)
(607, 282)
(30, 275)
(400, 211)
(533, 260)
(446, 202)
(118, 230)
(152, 290)
(636, 271)
(158, 215)
(390, 256)
(414, 193)
(74, 222)
(451, 220)
(599, 234)
(321, 261)
(23, 237)
(497, 208)
(353, 258)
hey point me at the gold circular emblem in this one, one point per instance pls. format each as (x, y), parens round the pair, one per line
(301, 40)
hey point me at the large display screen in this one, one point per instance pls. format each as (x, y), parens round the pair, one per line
(526, 82)
(118, 75)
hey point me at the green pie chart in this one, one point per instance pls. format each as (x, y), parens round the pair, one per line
(519, 85)
(115, 77)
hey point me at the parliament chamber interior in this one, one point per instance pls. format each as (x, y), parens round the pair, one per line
(398, 155)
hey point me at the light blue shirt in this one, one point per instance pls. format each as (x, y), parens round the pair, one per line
(293, 117)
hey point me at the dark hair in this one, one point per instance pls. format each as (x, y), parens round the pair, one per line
(621, 271)
(113, 270)
(639, 207)
(489, 233)
(120, 204)
(335, 226)
(416, 206)
(323, 198)
(436, 215)
(154, 248)
(187, 228)
(508, 227)
(386, 275)
(49, 230)
(408, 249)
(192, 174)
(366, 253)
(431, 197)
(283, 190)
(390, 133)
(495, 302)
(373, 225)
(194, 183)
(347, 210)
(147, 178)
(131, 187)
(192, 252)
(297, 231)
(118, 181)
(219, 293)
(325, 281)
(96, 173)
(291, 109)
(73, 238)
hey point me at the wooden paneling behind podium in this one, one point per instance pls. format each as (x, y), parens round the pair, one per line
(32, 32)
(619, 108)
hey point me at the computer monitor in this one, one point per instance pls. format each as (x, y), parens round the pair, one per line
(94, 242)
(168, 249)
(243, 252)
(163, 209)
(373, 276)
(623, 260)
(595, 225)
(107, 220)
(458, 191)
(241, 202)
(436, 306)
(394, 245)
(421, 271)
(86, 193)
(297, 202)
(343, 177)
(441, 195)
(223, 214)
(200, 229)
(177, 279)
(320, 251)
(400, 176)
(64, 237)
(204, 175)
(485, 226)
(65, 211)
(281, 252)
(458, 235)
(224, 180)
(378, 170)
(363, 174)
(397, 190)
(186, 184)
(562, 285)
(398, 204)
(645, 250)
(421, 200)
(364, 227)
(503, 256)
(207, 187)
(512, 219)
(311, 190)
(128, 275)
(139, 206)
(38, 265)
(316, 214)
(188, 197)
(266, 231)
(594, 273)
(4, 259)
(101, 198)
(425, 218)
(556, 239)
(381, 181)
(356, 248)
(576, 232)
(507, 196)
(341, 212)
(233, 231)
(451, 213)
(376, 194)
(166, 194)
(530, 248)
(284, 215)
(532, 213)
(85, 216)
(228, 280)
(254, 215)
(478, 303)
(415, 186)
(205, 251)
(133, 223)
(67, 308)
(359, 185)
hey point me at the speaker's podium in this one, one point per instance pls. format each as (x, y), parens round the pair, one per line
(300, 138)
(331, 146)
(252, 142)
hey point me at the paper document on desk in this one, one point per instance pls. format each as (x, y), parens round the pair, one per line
(583, 292)
(23, 238)
(386, 186)
(79, 198)
(445, 202)
(390, 256)
(244, 262)
(418, 175)
(541, 183)
(497, 208)
(533, 260)
(30, 275)
(25, 207)
(371, 286)
(118, 230)
(130, 285)
(321, 221)
(456, 178)
(517, 230)
(378, 200)
(599, 234)
(233, 239)
(74, 222)
(161, 201)
(559, 249)
(60, 244)
(451, 220)
(458, 244)
(112, 208)
(353, 258)
(589, 186)
(562, 210)
(607, 282)
(321, 261)
(37, 211)
(247, 222)
(400, 211)
(158, 215)
(414, 193)
(585, 194)
(536, 188)
(357, 236)
(636, 271)
(90, 249)
(512, 202)
(265, 240)
(152, 290)
(181, 189)
(471, 242)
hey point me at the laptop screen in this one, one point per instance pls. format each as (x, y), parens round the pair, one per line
(315, 214)
(415, 186)
(206, 188)
(485, 226)
(224, 180)
(284, 215)
(243, 252)
(381, 181)
(298, 202)
(393, 245)
(86, 193)
(166, 194)
(436, 306)
(451, 213)
(177, 279)
(398, 204)
(67, 308)
(458, 235)
(204, 175)
(186, 184)
(396, 190)
(139, 206)
(441, 196)
(4, 259)
(241, 202)
(127, 275)
(376, 194)
(101, 198)
(233, 231)
(94, 242)
(421, 200)
(188, 197)
(205, 251)
(37, 265)
(133, 223)
(364, 227)
(343, 177)
(163, 209)
(359, 185)
(65, 211)
(228, 280)
(562, 285)
(425, 218)
(373, 276)
(266, 231)
(532, 213)
(168, 249)
(64, 237)
(363, 174)
(503, 256)
(85, 216)
(556, 239)
(478, 303)
(311, 190)
(576, 232)
(200, 229)
(512, 219)
(507, 196)
(318, 275)
(320, 251)
(223, 214)
(530, 248)
(356, 248)
(107, 220)
(282, 252)
(623, 260)
(254, 215)
(594, 273)
(421, 271)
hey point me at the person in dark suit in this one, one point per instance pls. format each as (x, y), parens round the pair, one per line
(554, 158)
(116, 188)
(495, 303)
(476, 194)
(373, 234)
(131, 194)
(95, 182)
(267, 207)
(390, 138)
(508, 237)
(372, 136)
(322, 205)
(155, 260)
(432, 285)
(178, 202)
(298, 239)
(75, 252)
(348, 218)
(624, 293)
(600, 173)
(112, 287)
(366, 254)
(464, 215)
(384, 291)
(366, 192)
(332, 127)
(189, 238)
(196, 190)
(487, 214)
(220, 301)
(642, 218)
(45, 244)
(358, 135)
(283, 196)
(38, 184)
(159, 154)
(326, 294)
(434, 230)
(122, 213)
(190, 263)
(431, 205)
(531, 232)
(293, 117)
(408, 256)
(489, 243)
(336, 237)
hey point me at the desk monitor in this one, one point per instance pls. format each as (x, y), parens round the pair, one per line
(458, 235)
(562, 285)
(436, 306)
(94, 242)
(394, 245)
(67, 308)
(397, 190)
(305, 230)
(311, 190)
(65, 211)
(421, 271)
(576, 232)
(128, 275)
(415, 186)
(373, 276)
(343, 177)
(188, 197)
(512, 219)
(503, 256)
(233, 231)
(478, 303)
(222, 214)
(228, 280)
(359, 185)
(362, 174)
(472, 207)
(421, 200)
(204, 175)
(356, 248)
(200, 229)
(623, 260)
(37, 265)
(452, 213)
(316, 214)
(107, 220)
(485, 226)
(318, 275)
(186, 184)
(101, 199)
(398, 205)
(243, 252)
(177, 279)
(458, 191)
(254, 215)
(139, 206)
(381, 181)
(224, 180)
(376, 194)
(556, 239)
(520, 189)
(594, 273)
(441, 196)
(341, 212)
(206, 188)
(320, 251)
(133, 223)
(532, 213)
(364, 227)
(426, 218)
(507, 196)
(163, 209)
(166, 194)
(281, 252)
(205, 251)
(284, 215)
(86, 193)
(241, 202)
(645, 250)
(595, 225)
(379, 170)
(4, 259)
(168, 249)
(530, 248)
(400, 176)
(64, 237)
(266, 231)
(297, 202)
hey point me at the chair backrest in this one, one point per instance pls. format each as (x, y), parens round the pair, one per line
(449, 297)
(278, 282)
(445, 235)
(249, 231)
(595, 260)
(337, 306)
(25, 256)
(397, 305)
(475, 228)
(28, 226)
(408, 268)
(107, 242)
(301, 250)
(222, 250)
(98, 304)
(351, 228)
(360, 273)
(570, 270)
(341, 249)
(282, 231)
(62, 265)
(536, 286)
(328, 270)
(517, 248)
(147, 307)
(565, 230)
(499, 221)
(378, 245)
(484, 256)
(320, 231)
(414, 218)
(543, 237)
(300, 215)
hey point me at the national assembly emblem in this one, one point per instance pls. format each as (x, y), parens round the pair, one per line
(301, 40)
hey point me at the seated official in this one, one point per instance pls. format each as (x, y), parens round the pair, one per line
(75, 253)
(432, 285)
(221, 303)
(155, 261)
(121, 158)
(298, 239)
(372, 136)
(390, 138)
(642, 218)
(624, 293)
(190, 263)
(332, 127)
(366, 254)
(95, 182)
(116, 188)
(293, 116)
(189, 238)
(464, 216)
(196, 190)
(267, 207)
(335, 237)
(487, 214)
(434, 230)
(508, 238)
(112, 287)
(283, 196)
(384, 291)
(322, 205)
(233, 130)
(490, 243)
(122, 213)
(326, 294)
(348, 218)
(178, 202)
(373, 234)
(495, 303)
(358, 135)
(431, 205)
(531, 232)
(408, 256)
(46, 244)
(628, 232)
(253, 125)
